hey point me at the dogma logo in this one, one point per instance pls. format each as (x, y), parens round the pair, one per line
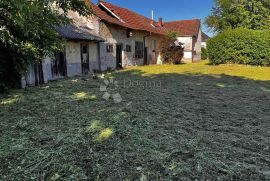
(110, 89)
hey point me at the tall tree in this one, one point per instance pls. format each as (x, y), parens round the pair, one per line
(231, 14)
(26, 29)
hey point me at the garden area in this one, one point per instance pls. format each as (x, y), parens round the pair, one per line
(195, 122)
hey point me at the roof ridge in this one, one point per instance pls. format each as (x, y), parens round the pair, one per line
(104, 1)
(126, 10)
(175, 21)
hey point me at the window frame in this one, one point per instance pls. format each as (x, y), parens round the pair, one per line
(109, 48)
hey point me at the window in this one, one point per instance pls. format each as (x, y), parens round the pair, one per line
(109, 48)
(129, 33)
(138, 49)
(128, 48)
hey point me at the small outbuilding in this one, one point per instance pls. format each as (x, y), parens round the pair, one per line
(80, 56)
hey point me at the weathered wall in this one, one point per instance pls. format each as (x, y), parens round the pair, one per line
(29, 78)
(189, 43)
(198, 47)
(47, 69)
(73, 58)
(152, 43)
(93, 57)
(188, 48)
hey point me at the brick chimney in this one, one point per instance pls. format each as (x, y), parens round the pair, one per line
(152, 22)
(160, 22)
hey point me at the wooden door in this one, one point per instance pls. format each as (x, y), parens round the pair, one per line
(59, 65)
(119, 49)
(145, 56)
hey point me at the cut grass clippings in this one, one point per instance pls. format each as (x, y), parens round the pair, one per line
(176, 122)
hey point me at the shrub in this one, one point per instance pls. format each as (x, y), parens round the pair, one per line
(240, 46)
(171, 49)
(204, 54)
(3, 88)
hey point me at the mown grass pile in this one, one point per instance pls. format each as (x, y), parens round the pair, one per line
(176, 122)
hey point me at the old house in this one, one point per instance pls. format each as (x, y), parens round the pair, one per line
(188, 32)
(132, 39)
(112, 37)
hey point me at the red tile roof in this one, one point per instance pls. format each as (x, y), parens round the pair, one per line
(184, 27)
(136, 21)
(105, 16)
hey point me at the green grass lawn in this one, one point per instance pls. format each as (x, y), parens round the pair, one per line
(175, 122)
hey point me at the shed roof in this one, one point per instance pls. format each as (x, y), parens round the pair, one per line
(73, 32)
(77, 30)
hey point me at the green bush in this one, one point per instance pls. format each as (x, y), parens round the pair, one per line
(240, 46)
(204, 54)
(169, 50)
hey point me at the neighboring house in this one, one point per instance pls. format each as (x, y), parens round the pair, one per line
(205, 37)
(189, 32)
(113, 37)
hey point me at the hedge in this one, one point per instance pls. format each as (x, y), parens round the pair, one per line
(241, 46)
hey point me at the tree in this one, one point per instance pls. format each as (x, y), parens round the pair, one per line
(171, 50)
(231, 14)
(26, 29)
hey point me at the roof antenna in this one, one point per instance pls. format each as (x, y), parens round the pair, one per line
(152, 20)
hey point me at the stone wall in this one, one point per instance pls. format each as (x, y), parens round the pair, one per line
(188, 41)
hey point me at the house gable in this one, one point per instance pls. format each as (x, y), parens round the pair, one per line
(111, 12)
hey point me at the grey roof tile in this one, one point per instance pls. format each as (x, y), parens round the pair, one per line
(75, 32)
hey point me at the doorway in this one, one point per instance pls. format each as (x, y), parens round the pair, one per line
(85, 58)
(59, 65)
(145, 62)
(119, 49)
